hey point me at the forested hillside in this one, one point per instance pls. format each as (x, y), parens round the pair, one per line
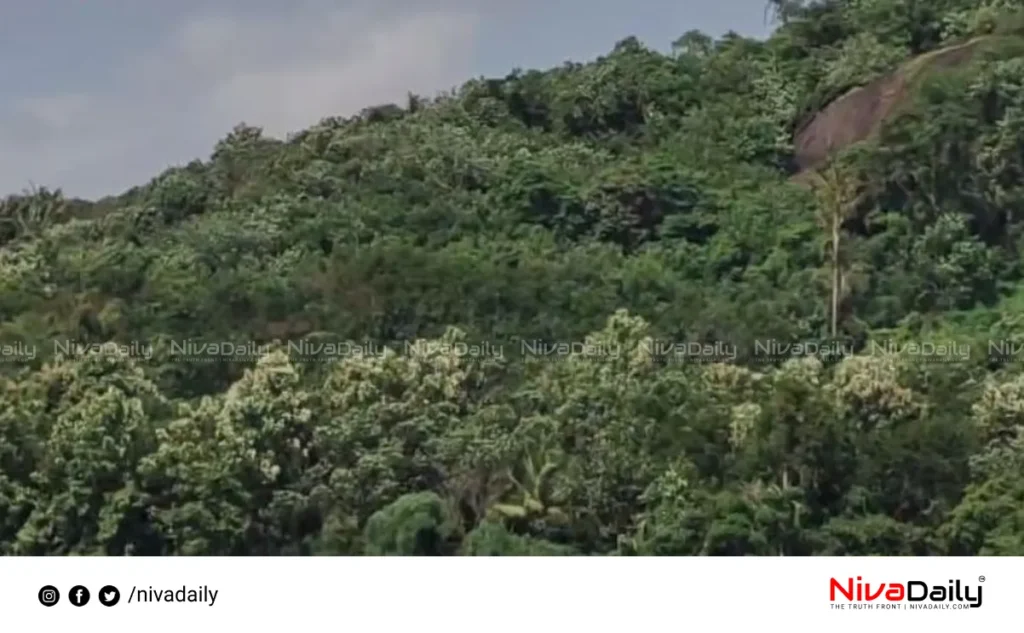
(658, 303)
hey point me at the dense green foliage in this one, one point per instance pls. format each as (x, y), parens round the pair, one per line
(641, 199)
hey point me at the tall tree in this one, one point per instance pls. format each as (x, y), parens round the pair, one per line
(837, 194)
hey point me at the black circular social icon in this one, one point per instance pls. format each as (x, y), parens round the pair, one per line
(49, 596)
(79, 596)
(109, 596)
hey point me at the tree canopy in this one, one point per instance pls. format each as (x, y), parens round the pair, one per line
(577, 311)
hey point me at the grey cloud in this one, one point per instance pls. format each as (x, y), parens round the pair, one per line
(281, 71)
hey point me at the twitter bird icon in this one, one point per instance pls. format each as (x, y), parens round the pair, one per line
(109, 596)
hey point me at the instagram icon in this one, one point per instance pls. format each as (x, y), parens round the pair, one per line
(49, 596)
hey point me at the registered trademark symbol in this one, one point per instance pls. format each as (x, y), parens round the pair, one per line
(981, 579)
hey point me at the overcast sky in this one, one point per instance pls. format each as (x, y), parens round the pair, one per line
(100, 95)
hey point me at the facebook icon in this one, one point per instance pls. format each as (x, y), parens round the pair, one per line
(79, 596)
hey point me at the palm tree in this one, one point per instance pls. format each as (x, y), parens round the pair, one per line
(32, 211)
(528, 495)
(838, 194)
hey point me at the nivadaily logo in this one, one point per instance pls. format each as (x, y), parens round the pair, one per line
(912, 594)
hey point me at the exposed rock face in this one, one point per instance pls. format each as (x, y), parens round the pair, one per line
(855, 116)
